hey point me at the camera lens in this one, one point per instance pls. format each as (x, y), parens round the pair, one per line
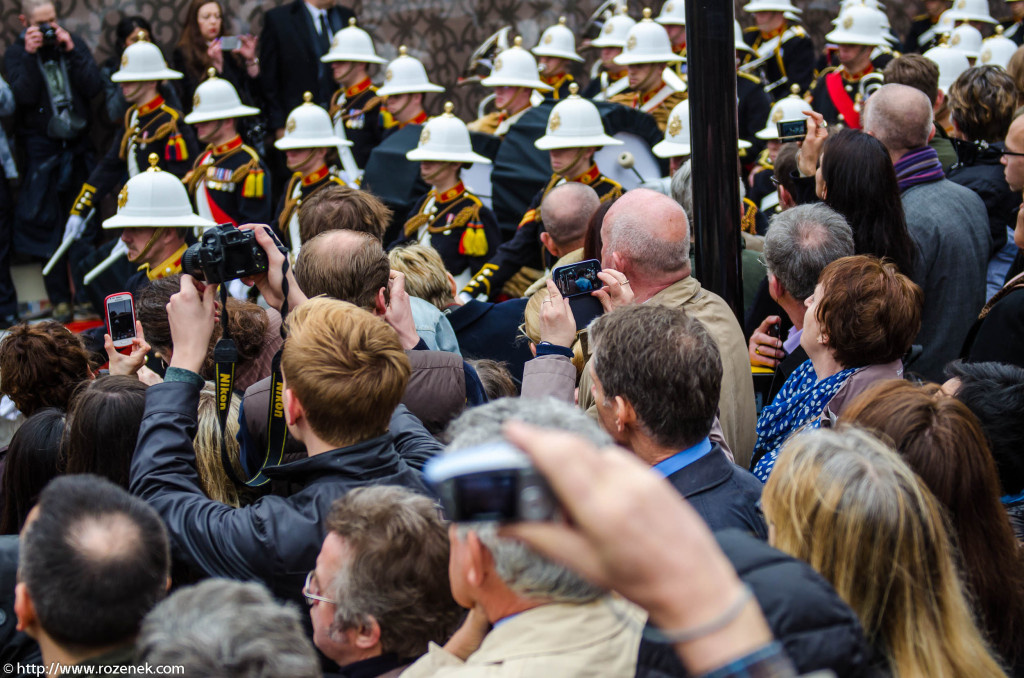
(191, 261)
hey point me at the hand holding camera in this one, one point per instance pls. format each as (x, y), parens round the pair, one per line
(270, 281)
(190, 314)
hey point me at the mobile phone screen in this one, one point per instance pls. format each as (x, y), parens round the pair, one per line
(122, 320)
(230, 43)
(577, 279)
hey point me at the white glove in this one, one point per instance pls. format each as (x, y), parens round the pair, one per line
(73, 229)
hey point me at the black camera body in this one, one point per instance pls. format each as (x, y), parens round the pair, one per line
(490, 483)
(49, 36)
(224, 253)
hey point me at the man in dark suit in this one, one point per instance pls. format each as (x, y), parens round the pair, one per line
(294, 38)
(657, 375)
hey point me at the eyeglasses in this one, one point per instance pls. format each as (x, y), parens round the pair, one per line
(307, 592)
(1006, 152)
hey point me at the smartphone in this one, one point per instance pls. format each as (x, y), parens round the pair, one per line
(229, 43)
(775, 329)
(120, 312)
(578, 279)
(791, 130)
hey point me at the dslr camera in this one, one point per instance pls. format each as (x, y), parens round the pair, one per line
(224, 253)
(49, 36)
(490, 483)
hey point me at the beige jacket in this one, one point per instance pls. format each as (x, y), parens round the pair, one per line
(736, 404)
(568, 641)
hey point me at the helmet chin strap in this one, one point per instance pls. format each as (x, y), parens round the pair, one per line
(441, 166)
(213, 133)
(579, 156)
(157, 232)
(309, 156)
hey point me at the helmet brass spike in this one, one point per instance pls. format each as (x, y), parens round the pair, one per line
(518, 42)
(307, 97)
(211, 72)
(561, 20)
(352, 22)
(647, 13)
(574, 89)
(142, 36)
(403, 51)
(153, 160)
(449, 108)
(795, 90)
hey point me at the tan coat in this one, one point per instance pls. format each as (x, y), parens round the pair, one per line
(736, 404)
(568, 641)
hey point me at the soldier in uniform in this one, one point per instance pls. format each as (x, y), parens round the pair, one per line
(405, 83)
(574, 133)
(1013, 26)
(308, 140)
(557, 47)
(612, 78)
(837, 92)
(449, 218)
(356, 106)
(656, 89)
(789, 108)
(784, 52)
(229, 182)
(673, 18)
(753, 104)
(922, 33)
(515, 81)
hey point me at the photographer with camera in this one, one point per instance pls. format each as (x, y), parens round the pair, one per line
(53, 76)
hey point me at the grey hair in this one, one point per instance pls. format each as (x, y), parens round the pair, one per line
(899, 116)
(801, 242)
(525, 572)
(566, 211)
(682, 187)
(221, 628)
(627, 233)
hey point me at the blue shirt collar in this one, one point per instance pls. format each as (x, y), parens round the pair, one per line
(679, 460)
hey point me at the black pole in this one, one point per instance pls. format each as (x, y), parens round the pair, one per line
(711, 74)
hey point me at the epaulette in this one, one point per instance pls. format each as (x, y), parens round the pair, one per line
(749, 222)
(751, 29)
(799, 32)
(625, 98)
(752, 78)
(921, 17)
(336, 179)
(332, 107)
(464, 215)
(826, 70)
(170, 111)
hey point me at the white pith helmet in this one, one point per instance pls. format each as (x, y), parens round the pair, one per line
(971, 10)
(352, 44)
(515, 67)
(155, 199)
(558, 41)
(673, 13)
(967, 39)
(996, 50)
(445, 139)
(216, 99)
(615, 31)
(772, 6)
(406, 75)
(741, 46)
(951, 62)
(859, 25)
(142, 61)
(574, 123)
(677, 133)
(789, 108)
(309, 126)
(647, 43)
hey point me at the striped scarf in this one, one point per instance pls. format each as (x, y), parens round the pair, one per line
(920, 166)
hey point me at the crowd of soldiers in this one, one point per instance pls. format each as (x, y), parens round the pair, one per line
(488, 231)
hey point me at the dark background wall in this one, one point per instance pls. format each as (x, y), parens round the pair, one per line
(443, 33)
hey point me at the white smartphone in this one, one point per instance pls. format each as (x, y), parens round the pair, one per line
(120, 312)
(229, 43)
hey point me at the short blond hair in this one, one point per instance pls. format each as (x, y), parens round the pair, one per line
(346, 367)
(212, 476)
(425, 274)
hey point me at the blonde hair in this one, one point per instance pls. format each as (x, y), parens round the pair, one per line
(346, 367)
(852, 508)
(531, 325)
(212, 476)
(425, 274)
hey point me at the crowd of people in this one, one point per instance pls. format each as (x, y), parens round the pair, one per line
(330, 304)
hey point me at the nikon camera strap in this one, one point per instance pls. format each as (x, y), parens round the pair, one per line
(225, 356)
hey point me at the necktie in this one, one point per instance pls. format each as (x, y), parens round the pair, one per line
(325, 34)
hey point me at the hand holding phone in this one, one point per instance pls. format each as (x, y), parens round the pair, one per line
(578, 279)
(229, 43)
(119, 309)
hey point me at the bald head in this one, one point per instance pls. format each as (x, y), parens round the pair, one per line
(647, 236)
(900, 117)
(566, 211)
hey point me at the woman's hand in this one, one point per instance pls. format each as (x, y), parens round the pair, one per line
(557, 324)
(616, 291)
(810, 147)
(127, 365)
(216, 55)
(247, 48)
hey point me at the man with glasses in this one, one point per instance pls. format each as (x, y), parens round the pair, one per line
(380, 594)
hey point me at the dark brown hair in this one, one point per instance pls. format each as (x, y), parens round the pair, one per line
(41, 365)
(496, 379)
(353, 272)
(914, 70)
(192, 44)
(982, 101)
(340, 207)
(592, 243)
(247, 322)
(32, 461)
(869, 311)
(943, 442)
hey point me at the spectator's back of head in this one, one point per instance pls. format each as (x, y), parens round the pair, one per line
(785, 165)
(983, 100)
(496, 378)
(93, 561)
(207, 442)
(801, 242)
(340, 207)
(900, 117)
(994, 392)
(681, 187)
(566, 210)
(915, 71)
(32, 461)
(41, 365)
(646, 235)
(344, 265)
(425, 274)
(347, 369)
(103, 423)
(665, 364)
(227, 629)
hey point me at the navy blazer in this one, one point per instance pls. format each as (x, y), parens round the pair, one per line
(486, 330)
(290, 59)
(724, 494)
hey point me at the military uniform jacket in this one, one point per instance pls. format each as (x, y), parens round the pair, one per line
(921, 36)
(299, 188)
(496, 123)
(560, 83)
(152, 128)
(358, 109)
(230, 183)
(753, 106)
(456, 224)
(840, 101)
(658, 102)
(1013, 29)
(618, 82)
(525, 248)
(791, 57)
